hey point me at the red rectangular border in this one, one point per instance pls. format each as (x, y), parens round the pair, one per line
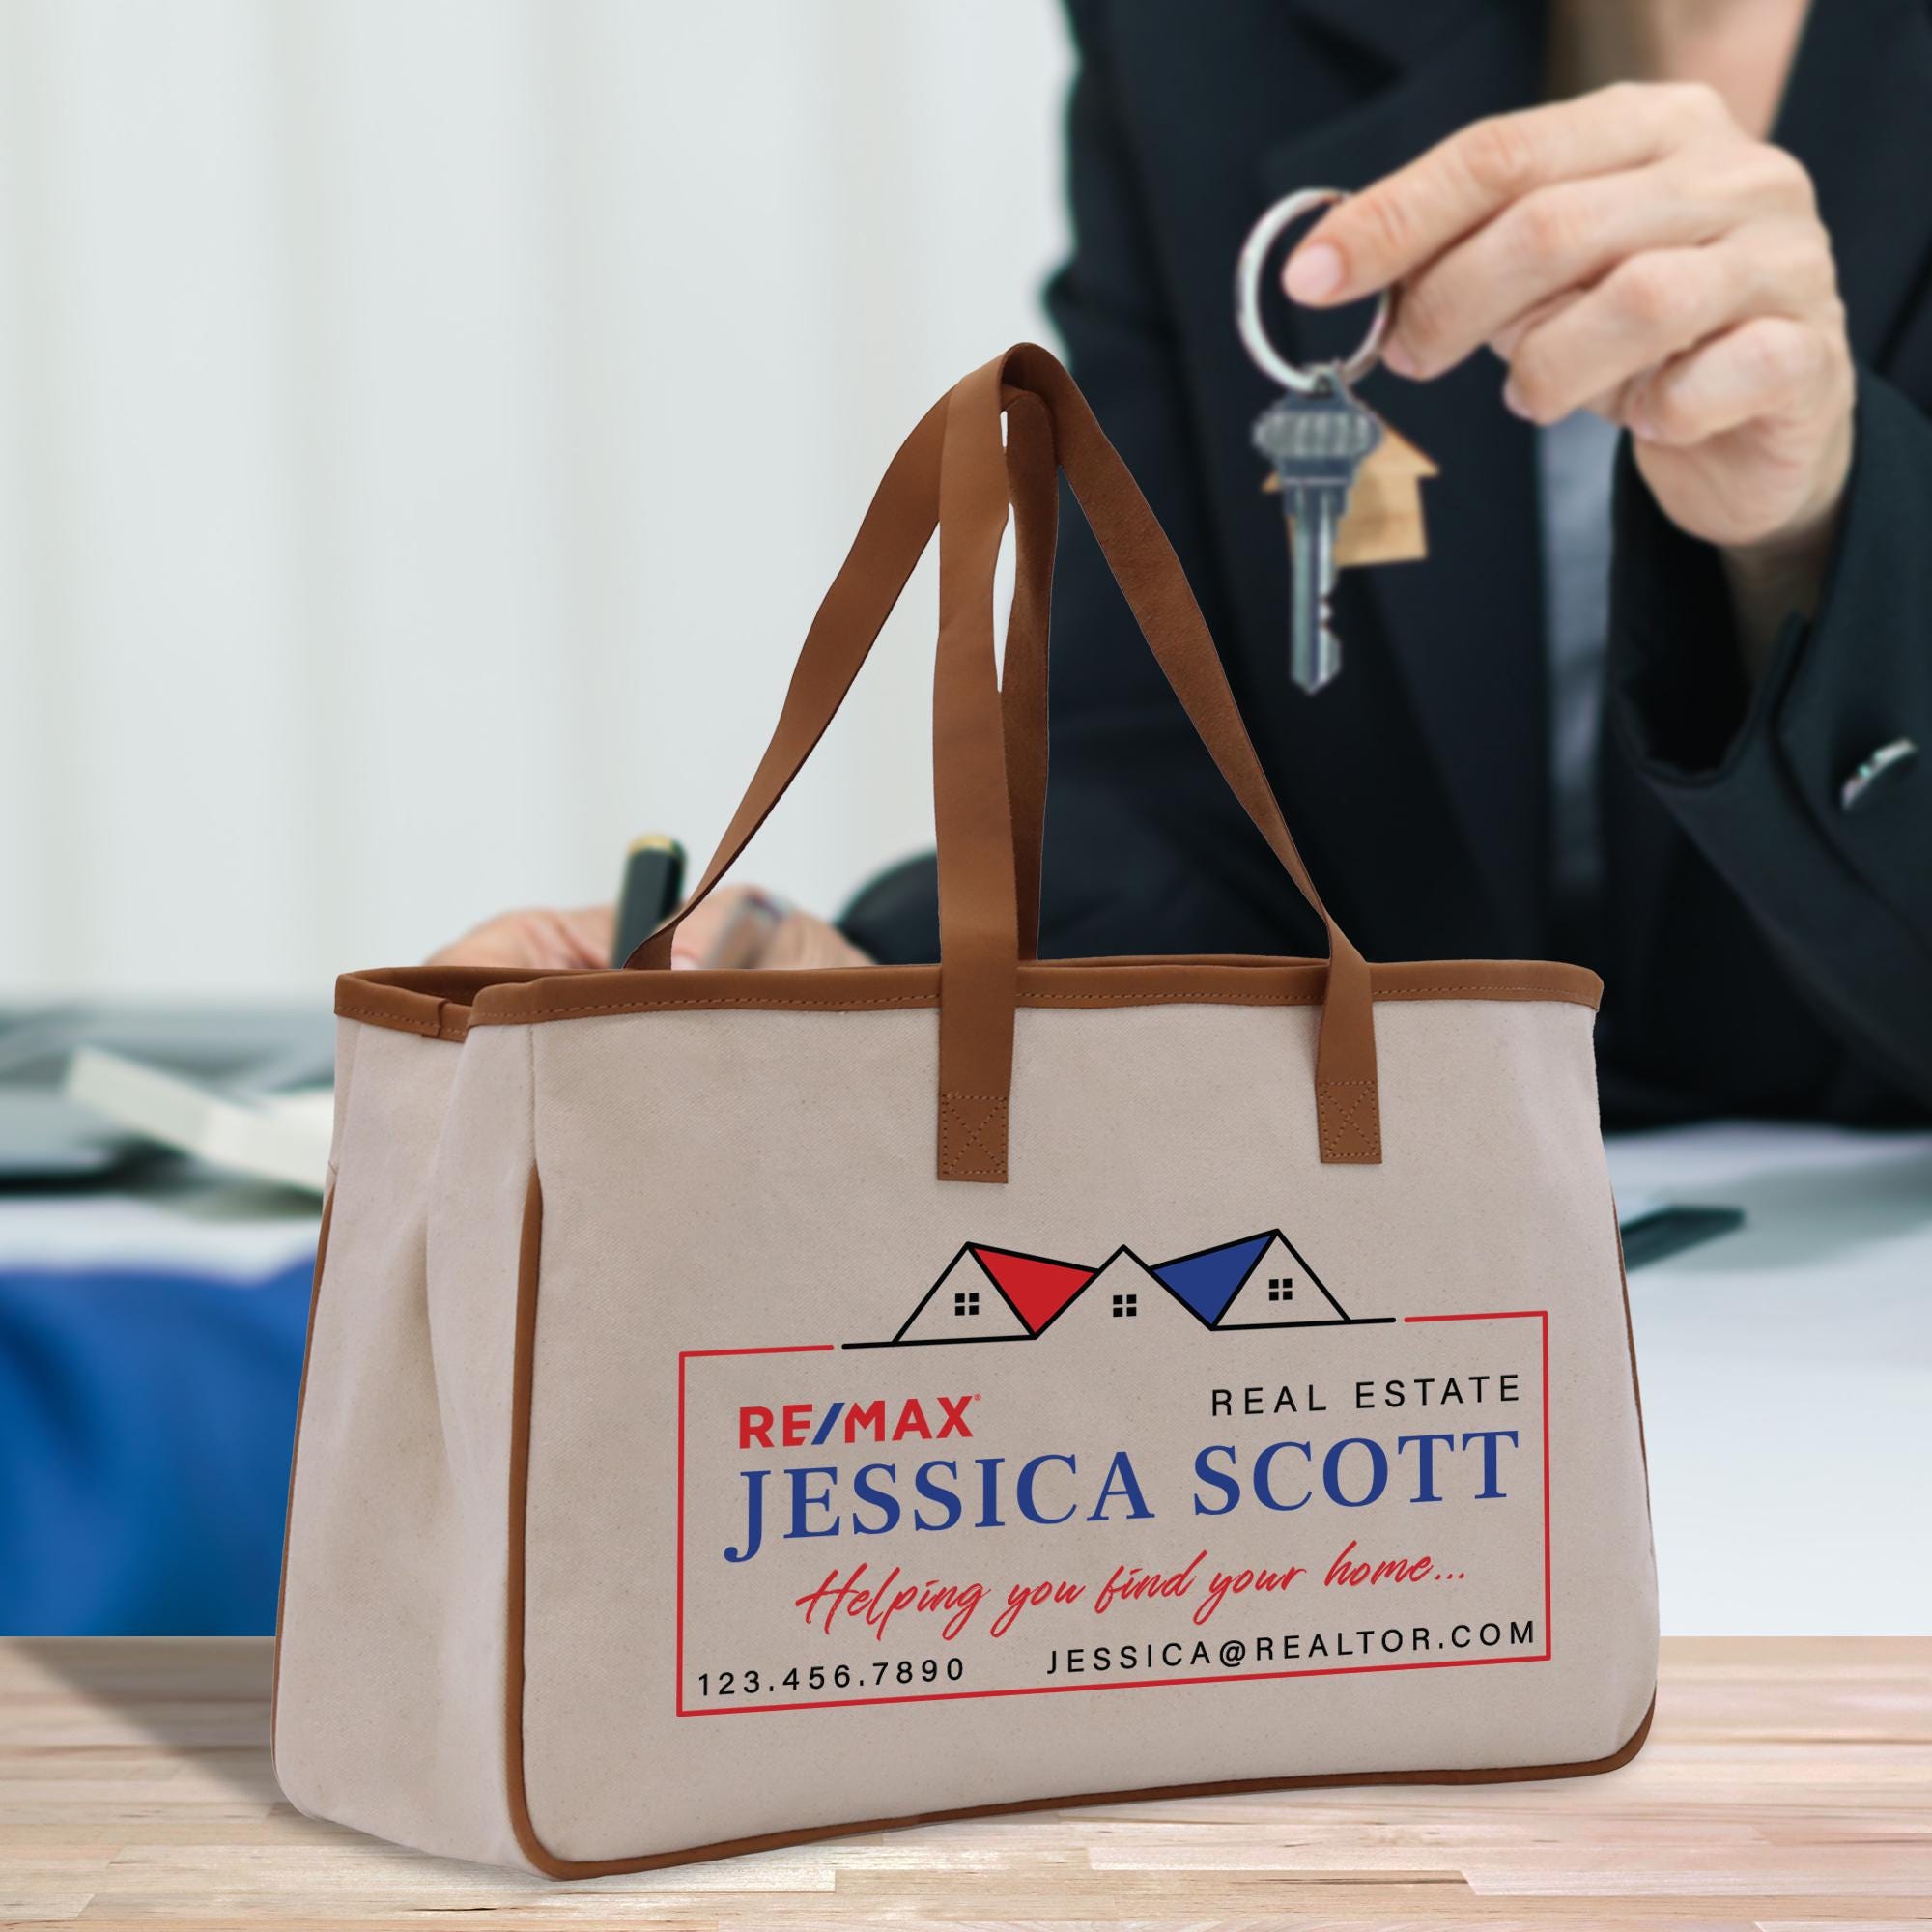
(1539, 1315)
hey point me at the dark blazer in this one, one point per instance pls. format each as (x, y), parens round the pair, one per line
(1765, 950)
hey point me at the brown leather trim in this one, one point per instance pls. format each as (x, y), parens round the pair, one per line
(433, 1001)
(523, 1375)
(295, 1454)
(530, 1254)
(771, 1842)
(427, 1001)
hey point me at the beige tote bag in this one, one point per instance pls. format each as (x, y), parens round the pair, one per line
(743, 1407)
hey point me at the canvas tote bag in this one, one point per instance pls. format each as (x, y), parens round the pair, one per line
(746, 1407)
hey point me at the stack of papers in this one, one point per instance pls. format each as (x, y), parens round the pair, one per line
(282, 1136)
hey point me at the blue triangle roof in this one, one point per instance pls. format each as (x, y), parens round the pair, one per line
(1207, 1282)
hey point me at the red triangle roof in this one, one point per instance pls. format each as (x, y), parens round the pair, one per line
(1039, 1288)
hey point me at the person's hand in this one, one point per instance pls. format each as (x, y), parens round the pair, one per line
(1637, 253)
(540, 939)
(737, 925)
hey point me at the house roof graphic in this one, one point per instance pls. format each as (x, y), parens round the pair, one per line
(1208, 1281)
(1260, 1281)
(1004, 1295)
(1039, 1288)
(991, 1295)
(1123, 1287)
(965, 1304)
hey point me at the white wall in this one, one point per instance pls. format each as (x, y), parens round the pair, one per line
(426, 427)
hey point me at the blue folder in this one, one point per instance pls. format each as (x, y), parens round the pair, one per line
(145, 1423)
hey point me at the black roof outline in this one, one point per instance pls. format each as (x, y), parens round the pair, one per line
(1186, 1306)
(1319, 1322)
(944, 1341)
(959, 1254)
(1265, 1236)
(1122, 1249)
(975, 1249)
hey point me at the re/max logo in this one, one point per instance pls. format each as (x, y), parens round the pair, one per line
(801, 1424)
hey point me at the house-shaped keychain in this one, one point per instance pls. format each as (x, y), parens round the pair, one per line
(1384, 521)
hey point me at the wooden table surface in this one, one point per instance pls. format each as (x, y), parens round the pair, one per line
(1788, 1783)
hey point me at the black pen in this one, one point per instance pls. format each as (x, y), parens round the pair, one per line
(652, 888)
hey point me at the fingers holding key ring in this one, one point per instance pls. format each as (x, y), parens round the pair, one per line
(1262, 237)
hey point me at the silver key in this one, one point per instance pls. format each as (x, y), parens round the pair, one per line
(1316, 440)
(1315, 437)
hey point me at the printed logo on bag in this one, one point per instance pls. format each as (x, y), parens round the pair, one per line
(1055, 1478)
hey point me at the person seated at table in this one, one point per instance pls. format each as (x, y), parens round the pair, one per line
(1654, 700)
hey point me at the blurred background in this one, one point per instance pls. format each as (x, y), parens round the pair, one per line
(426, 430)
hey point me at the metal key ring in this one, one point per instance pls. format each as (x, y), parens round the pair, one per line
(1262, 237)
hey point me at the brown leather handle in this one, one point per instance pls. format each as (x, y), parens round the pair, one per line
(990, 757)
(1033, 482)
(975, 904)
(892, 537)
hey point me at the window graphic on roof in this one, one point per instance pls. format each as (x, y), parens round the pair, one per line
(1124, 1295)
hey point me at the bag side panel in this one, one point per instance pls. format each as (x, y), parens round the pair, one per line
(389, 1710)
